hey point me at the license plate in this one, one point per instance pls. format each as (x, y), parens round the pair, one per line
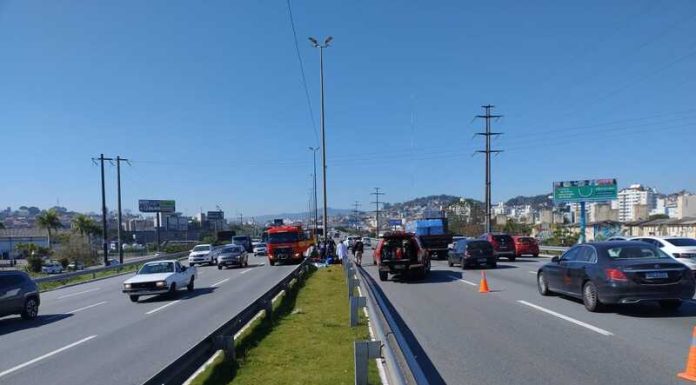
(656, 275)
(398, 267)
(482, 260)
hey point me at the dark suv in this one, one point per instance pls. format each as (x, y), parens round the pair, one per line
(18, 295)
(503, 244)
(244, 241)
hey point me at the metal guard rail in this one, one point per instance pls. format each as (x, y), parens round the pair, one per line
(183, 367)
(60, 277)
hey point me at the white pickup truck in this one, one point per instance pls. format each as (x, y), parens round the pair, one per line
(160, 277)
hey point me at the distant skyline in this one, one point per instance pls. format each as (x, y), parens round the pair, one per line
(207, 99)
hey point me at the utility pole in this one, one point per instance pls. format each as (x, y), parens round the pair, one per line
(323, 131)
(120, 220)
(376, 202)
(241, 219)
(356, 213)
(105, 246)
(316, 209)
(488, 151)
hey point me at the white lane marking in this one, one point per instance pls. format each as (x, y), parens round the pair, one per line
(569, 319)
(78, 293)
(220, 282)
(37, 359)
(467, 282)
(87, 307)
(162, 307)
(245, 271)
(531, 272)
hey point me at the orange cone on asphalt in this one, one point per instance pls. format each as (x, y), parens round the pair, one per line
(690, 372)
(483, 286)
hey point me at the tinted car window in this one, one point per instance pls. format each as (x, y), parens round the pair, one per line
(479, 245)
(585, 254)
(570, 255)
(459, 246)
(682, 241)
(503, 238)
(10, 280)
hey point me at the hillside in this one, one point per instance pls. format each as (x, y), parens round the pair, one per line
(536, 201)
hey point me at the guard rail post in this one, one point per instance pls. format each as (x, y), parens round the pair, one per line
(226, 343)
(364, 351)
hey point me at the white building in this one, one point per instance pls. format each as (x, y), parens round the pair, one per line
(686, 206)
(634, 195)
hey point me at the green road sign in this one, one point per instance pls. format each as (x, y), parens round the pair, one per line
(596, 190)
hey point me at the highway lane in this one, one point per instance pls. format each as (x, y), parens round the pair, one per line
(514, 335)
(92, 333)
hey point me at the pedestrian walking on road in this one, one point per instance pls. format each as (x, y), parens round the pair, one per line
(342, 251)
(358, 248)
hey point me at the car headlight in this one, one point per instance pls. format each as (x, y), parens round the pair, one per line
(126, 285)
(161, 284)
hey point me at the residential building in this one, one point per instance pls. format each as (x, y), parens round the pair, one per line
(686, 206)
(634, 195)
(684, 227)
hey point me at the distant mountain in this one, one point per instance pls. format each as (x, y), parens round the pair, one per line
(432, 201)
(535, 201)
(300, 216)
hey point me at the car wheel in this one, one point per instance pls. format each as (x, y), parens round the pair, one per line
(590, 298)
(134, 298)
(191, 264)
(172, 290)
(494, 265)
(671, 304)
(542, 284)
(189, 287)
(464, 266)
(449, 263)
(31, 309)
(272, 263)
(511, 258)
(383, 275)
(536, 255)
(219, 267)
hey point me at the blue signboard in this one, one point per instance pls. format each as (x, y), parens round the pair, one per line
(395, 222)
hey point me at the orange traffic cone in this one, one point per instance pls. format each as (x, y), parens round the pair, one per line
(690, 372)
(483, 286)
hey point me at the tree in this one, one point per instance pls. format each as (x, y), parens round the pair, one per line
(50, 221)
(658, 216)
(2, 225)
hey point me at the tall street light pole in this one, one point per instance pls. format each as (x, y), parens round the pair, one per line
(316, 209)
(321, 47)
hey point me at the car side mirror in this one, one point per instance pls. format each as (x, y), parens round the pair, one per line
(555, 259)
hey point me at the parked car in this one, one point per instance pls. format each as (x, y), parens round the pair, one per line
(18, 295)
(51, 267)
(617, 238)
(232, 255)
(401, 253)
(681, 248)
(471, 253)
(260, 249)
(160, 277)
(112, 262)
(503, 244)
(617, 272)
(526, 245)
(201, 254)
(74, 266)
(245, 241)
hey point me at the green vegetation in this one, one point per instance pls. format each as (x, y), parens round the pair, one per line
(308, 340)
(50, 221)
(562, 237)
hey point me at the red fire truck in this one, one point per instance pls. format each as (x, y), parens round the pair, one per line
(287, 243)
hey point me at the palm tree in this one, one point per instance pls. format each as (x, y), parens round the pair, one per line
(83, 224)
(48, 220)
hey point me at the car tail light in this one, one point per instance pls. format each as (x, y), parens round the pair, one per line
(615, 275)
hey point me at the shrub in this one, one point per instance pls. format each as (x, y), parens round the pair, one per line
(64, 262)
(34, 264)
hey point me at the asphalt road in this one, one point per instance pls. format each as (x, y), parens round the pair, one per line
(92, 334)
(513, 335)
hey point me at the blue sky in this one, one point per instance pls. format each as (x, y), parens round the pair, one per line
(206, 99)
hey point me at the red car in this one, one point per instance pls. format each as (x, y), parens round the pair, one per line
(401, 253)
(526, 245)
(503, 245)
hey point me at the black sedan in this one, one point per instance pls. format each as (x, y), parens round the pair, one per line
(472, 253)
(617, 272)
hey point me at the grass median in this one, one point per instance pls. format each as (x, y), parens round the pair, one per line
(43, 286)
(308, 340)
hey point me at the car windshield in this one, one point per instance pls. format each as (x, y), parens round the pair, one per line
(230, 249)
(156, 268)
(201, 248)
(635, 252)
(525, 240)
(284, 237)
(682, 241)
(502, 238)
(261, 245)
(240, 239)
(478, 245)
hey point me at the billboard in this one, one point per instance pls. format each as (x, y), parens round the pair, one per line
(216, 215)
(594, 190)
(395, 222)
(156, 206)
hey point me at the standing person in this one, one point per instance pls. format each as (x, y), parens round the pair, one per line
(342, 251)
(358, 248)
(322, 251)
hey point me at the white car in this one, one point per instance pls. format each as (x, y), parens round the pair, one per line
(51, 268)
(681, 248)
(160, 277)
(367, 241)
(260, 249)
(201, 254)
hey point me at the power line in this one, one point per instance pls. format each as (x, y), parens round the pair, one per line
(488, 151)
(302, 72)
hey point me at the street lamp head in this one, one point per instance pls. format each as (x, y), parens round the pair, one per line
(314, 42)
(328, 40)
